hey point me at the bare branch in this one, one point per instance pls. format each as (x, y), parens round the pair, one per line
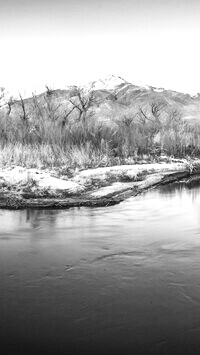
(143, 116)
(10, 103)
(49, 91)
(2, 96)
(64, 120)
(24, 113)
(83, 100)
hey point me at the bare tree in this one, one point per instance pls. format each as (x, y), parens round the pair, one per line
(2, 95)
(6, 100)
(143, 116)
(66, 115)
(156, 109)
(151, 122)
(49, 91)
(10, 103)
(36, 106)
(24, 115)
(82, 100)
(51, 107)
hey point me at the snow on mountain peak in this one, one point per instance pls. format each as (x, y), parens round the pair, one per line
(108, 83)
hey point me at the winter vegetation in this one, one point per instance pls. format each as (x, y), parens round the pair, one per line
(88, 127)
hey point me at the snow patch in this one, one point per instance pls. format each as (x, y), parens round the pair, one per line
(129, 172)
(43, 180)
(109, 83)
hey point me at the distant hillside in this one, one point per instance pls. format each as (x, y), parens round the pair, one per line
(114, 97)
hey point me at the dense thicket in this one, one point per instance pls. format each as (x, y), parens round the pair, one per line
(42, 135)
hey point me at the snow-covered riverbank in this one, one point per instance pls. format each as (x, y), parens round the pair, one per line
(21, 187)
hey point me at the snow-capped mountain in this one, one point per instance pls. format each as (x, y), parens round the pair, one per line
(116, 97)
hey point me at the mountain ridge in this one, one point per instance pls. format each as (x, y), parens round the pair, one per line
(116, 96)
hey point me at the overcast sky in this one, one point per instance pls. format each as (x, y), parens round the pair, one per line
(59, 42)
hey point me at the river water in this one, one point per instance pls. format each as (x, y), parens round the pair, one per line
(115, 280)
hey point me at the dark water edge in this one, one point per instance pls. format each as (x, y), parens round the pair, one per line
(118, 280)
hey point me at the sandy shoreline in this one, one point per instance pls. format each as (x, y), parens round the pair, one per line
(32, 188)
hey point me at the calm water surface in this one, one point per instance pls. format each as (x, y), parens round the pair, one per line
(116, 280)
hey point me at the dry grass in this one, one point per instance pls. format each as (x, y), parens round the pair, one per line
(31, 156)
(44, 141)
(47, 156)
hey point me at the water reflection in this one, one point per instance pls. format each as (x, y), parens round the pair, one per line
(192, 188)
(35, 217)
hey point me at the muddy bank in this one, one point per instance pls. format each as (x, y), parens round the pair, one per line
(21, 188)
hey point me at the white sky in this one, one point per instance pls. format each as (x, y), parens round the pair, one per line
(72, 42)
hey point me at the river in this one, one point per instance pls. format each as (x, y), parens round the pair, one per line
(118, 280)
